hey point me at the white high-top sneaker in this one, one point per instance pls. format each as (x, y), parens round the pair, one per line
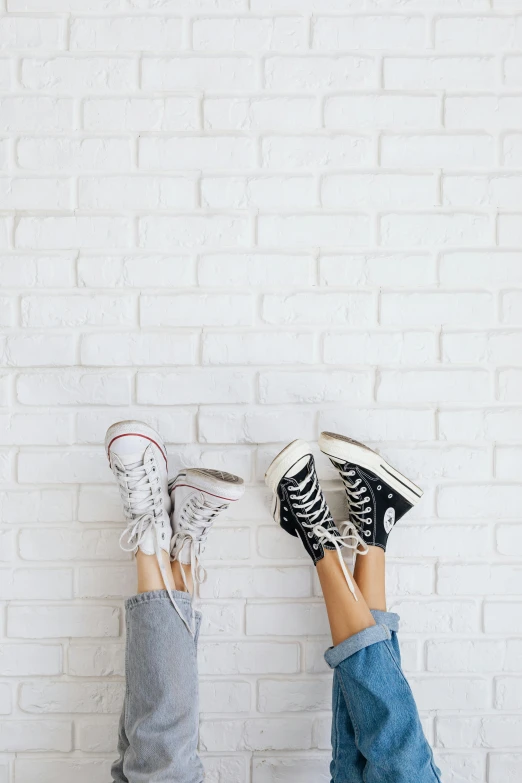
(198, 496)
(138, 459)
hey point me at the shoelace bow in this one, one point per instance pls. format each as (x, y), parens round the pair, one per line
(195, 520)
(356, 504)
(141, 495)
(316, 521)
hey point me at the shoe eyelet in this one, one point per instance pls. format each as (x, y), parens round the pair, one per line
(379, 487)
(285, 519)
(316, 546)
(390, 495)
(310, 534)
(367, 533)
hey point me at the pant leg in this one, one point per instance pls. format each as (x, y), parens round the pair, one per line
(382, 710)
(348, 763)
(159, 725)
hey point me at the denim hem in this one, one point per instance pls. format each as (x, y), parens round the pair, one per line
(375, 633)
(389, 619)
(156, 595)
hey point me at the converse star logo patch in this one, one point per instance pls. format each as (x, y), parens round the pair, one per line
(389, 519)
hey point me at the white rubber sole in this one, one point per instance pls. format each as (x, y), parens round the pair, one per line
(345, 449)
(130, 427)
(285, 460)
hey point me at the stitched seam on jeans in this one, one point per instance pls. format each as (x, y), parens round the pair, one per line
(127, 678)
(392, 656)
(394, 659)
(335, 729)
(355, 726)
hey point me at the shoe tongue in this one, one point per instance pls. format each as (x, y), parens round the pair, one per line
(300, 470)
(131, 461)
(305, 468)
(211, 500)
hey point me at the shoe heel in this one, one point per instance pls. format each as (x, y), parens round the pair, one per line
(340, 447)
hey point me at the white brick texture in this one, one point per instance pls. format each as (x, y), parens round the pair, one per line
(245, 221)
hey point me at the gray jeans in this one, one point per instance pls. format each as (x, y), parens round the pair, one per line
(158, 732)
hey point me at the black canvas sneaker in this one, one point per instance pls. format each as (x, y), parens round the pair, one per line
(301, 509)
(377, 494)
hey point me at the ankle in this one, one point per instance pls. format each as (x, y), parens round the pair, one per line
(177, 576)
(150, 577)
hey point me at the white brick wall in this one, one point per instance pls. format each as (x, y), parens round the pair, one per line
(246, 221)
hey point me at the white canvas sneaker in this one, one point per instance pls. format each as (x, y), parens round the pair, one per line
(138, 460)
(198, 496)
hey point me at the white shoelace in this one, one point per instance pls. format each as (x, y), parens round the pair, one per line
(141, 495)
(195, 521)
(356, 503)
(316, 520)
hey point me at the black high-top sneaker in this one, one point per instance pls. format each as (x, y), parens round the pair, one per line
(377, 494)
(300, 507)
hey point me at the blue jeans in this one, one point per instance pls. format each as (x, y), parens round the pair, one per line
(377, 735)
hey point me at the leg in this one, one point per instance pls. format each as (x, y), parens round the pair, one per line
(159, 724)
(376, 726)
(369, 573)
(374, 709)
(150, 578)
(379, 701)
(345, 615)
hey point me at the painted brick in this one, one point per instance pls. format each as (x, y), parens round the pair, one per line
(245, 222)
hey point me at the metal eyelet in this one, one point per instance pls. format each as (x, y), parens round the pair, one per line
(390, 495)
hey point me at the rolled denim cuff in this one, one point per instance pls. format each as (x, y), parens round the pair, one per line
(389, 619)
(375, 633)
